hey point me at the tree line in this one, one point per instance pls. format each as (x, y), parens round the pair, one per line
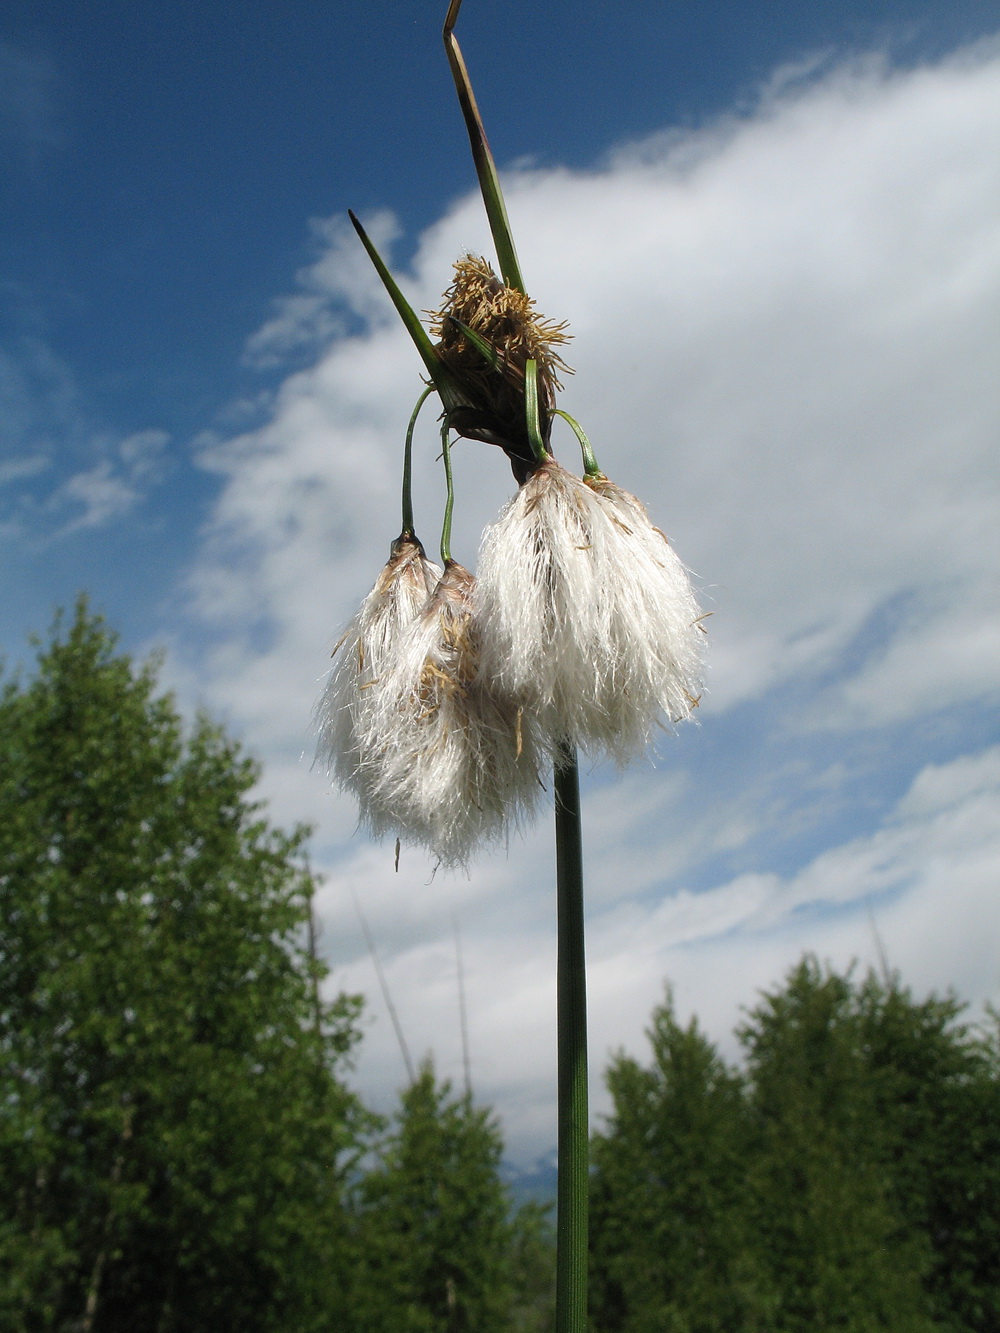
(180, 1149)
(846, 1175)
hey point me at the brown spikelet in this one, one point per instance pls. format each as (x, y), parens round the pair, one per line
(506, 319)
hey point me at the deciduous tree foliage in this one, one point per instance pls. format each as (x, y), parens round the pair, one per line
(177, 1147)
(846, 1177)
(173, 1128)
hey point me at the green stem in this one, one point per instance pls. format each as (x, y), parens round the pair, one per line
(571, 985)
(590, 464)
(531, 412)
(408, 464)
(449, 503)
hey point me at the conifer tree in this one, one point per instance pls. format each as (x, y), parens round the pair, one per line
(434, 1229)
(670, 1243)
(937, 1091)
(832, 1237)
(847, 1177)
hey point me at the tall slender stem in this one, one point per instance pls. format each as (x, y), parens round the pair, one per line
(408, 468)
(571, 986)
(449, 504)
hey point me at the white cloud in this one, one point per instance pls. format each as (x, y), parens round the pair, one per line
(309, 319)
(114, 486)
(60, 475)
(786, 343)
(925, 879)
(100, 494)
(17, 469)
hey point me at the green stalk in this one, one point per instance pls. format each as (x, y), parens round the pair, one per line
(486, 350)
(486, 170)
(571, 987)
(446, 383)
(449, 504)
(408, 468)
(590, 464)
(538, 448)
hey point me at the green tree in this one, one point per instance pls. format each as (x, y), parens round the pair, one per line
(435, 1238)
(847, 1178)
(937, 1088)
(832, 1235)
(533, 1269)
(174, 1131)
(670, 1246)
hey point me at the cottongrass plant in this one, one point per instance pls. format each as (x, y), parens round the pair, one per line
(450, 765)
(580, 632)
(352, 713)
(409, 723)
(587, 615)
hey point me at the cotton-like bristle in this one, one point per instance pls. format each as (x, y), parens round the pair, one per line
(454, 768)
(350, 713)
(587, 616)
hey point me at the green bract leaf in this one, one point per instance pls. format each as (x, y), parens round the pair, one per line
(444, 381)
(486, 170)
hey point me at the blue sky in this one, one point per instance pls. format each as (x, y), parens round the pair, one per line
(773, 229)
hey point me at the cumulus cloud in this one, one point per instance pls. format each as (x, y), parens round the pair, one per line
(786, 343)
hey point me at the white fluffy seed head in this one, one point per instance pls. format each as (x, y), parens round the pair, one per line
(456, 770)
(349, 716)
(587, 616)
(410, 727)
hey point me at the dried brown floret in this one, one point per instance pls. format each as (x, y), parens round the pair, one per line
(506, 320)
